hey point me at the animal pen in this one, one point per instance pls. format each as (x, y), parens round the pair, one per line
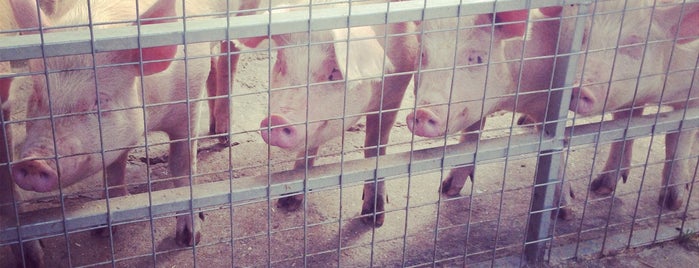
(505, 215)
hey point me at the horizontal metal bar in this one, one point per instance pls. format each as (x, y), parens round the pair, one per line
(166, 202)
(216, 29)
(637, 127)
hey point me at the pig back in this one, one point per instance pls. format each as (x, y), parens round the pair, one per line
(167, 93)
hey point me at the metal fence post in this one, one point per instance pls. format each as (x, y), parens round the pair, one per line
(548, 173)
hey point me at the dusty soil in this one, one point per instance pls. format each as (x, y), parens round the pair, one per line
(422, 227)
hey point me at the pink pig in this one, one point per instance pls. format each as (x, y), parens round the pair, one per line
(344, 83)
(106, 107)
(487, 76)
(612, 80)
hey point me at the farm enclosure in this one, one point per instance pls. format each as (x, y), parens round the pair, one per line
(237, 186)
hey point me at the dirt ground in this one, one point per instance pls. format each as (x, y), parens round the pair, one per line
(422, 227)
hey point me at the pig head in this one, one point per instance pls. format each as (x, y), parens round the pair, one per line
(462, 71)
(629, 55)
(76, 107)
(320, 90)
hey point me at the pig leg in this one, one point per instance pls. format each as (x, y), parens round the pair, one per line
(222, 75)
(294, 202)
(182, 163)
(31, 254)
(378, 129)
(211, 92)
(375, 190)
(606, 182)
(678, 148)
(559, 197)
(116, 186)
(452, 185)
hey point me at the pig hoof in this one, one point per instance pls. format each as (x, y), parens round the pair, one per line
(602, 185)
(565, 214)
(525, 120)
(188, 230)
(448, 190)
(371, 217)
(212, 129)
(290, 203)
(670, 199)
(185, 238)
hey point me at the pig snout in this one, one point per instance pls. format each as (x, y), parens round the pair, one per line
(35, 175)
(425, 123)
(278, 131)
(582, 101)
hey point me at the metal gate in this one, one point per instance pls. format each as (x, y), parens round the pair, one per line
(506, 215)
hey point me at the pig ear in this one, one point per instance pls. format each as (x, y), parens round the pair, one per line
(27, 15)
(686, 29)
(164, 9)
(514, 22)
(359, 58)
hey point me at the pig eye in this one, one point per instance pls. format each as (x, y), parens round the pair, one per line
(335, 75)
(475, 60)
(423, 58)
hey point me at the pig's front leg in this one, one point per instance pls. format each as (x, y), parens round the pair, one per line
(374, 190)
(452, 185)
(606, 182)
(678, 147)
(30, 254)
(182, 163)
(305, 160)
(115, 187)
(222, 75)
(559, 196)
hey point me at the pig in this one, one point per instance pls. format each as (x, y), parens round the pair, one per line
(449, 100)
(29, 254)
(622, 87)
(344, 84)
(109, 108)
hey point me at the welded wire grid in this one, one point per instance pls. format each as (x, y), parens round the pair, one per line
(238, 185)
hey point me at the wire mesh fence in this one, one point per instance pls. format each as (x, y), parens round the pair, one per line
(256, 133)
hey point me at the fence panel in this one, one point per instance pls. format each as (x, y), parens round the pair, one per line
(314, 86)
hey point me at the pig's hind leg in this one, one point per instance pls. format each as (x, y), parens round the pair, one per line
(218, 85)
(678, 147)
(618, 162)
